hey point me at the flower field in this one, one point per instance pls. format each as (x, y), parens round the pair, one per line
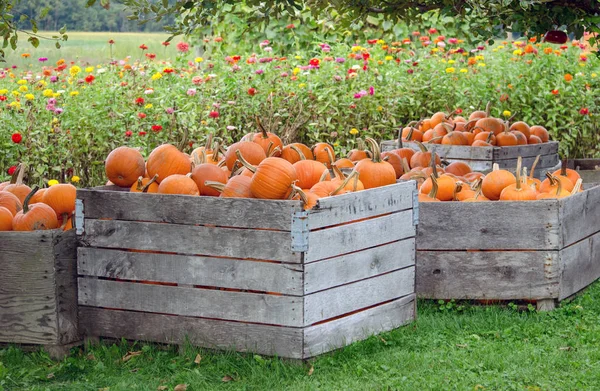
(62, 118)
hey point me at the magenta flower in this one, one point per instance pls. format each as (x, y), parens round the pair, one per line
(371, 90)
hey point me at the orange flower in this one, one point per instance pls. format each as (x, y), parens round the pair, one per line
(60, 62)
(25, 55)
(548, 50)
(528, 49)
(532, 39)
(568, 77)
(126, 66)
(472, 61)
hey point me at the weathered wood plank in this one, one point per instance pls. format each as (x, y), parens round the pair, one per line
(207, 303)
(191, 270)
(500, 275)
(584, 164)
(344, 299)
(580, 215)
(241, 243)
(209, 333)
(531, 150)
(356, 236)
(532, 225)
(545, 162)
(65, 251)
(341, 332)
(580, 264)
(359, 265)
(447, 151)
(354, 206)
(27, 288)
(161, 208)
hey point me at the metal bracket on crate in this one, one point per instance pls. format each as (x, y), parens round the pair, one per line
(415, 207)
(79, 217)
(300, 231)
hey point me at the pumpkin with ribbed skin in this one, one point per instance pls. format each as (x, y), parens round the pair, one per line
(496, 181)
(6, 219)
(145, 185)
(208, 172)
(38, 196)
(308, 198)
(490, 124)
(34, 217)
(309, 172)
(178, 184)
(252, 152)
(273, 179)
(550, 184)
(541, 132)
(124, 166)
(423, 157)
(375, 172)
(455, 138)
(10, 202)
(396, 162)
(343, 163)
(294, 153)
(359, 153)
(431, 196)
(567, 172)
(236, 187)
(458, 168)
(61, 198)
(519, 191)
(264, 139)
(324, 153)
(17, 187)
(521, 127)
(166, 160)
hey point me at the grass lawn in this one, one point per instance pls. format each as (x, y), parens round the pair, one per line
(449, 347)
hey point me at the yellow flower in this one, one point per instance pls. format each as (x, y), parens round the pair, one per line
(16, 93)
(582, 64)
(353, 131)
(121, 74)
(450, 70)
(298, 57)
(464, 70)
(594, 75)
(517, 52)
(75, 179)
(41, 84)
(29, 96)
(301, 85)
(11, 75)
(451, 61)
(74, 70)
(198, 59)
(295, 71)
(389, 58)
(52, 182)
(500, 47)
(379, 108)
(157, 76)
(48, 93)
(23, 89)
(74, 93)
(479, 58)
(518, 43)
(3, 91)
(148, 106)
(506, 113)
(89, 69)
(356, 48)
(494, 50)
(380, 41)
(54, 120)
(15, 104)
(336, 144)
(21, 82)
(203, 122)
(465, 54)
(481, 64)
(435, 50)
(56, 95)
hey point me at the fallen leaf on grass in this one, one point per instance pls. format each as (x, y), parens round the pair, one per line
(383, 340)
(161, 388)
(226, 379)
(180, 387)
(460, 345)
(198, 359)
(131, 355)
(565, 348)
(311, 370)
(104, 389)
(91, 357)
(134, 370)
(50, 376)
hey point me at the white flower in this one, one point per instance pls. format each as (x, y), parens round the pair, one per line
(149, 91)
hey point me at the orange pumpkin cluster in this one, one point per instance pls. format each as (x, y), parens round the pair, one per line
(25, 209)
(258, 166)
(479, 130)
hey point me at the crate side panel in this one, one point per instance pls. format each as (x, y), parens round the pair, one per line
(65, 250)
(530, 225)
(27, 288)
(580, 215)
(487, 275)
(546, 162)
(206, 303)
(208, 333)
(447, 151)
(363, 264)
(344, 299)
(191, 270)
(190, 210)
(347, 238)
(344, 331)
(580, 265)
(526, 151)
(176, 238)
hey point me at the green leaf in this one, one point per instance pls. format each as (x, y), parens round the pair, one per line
(62, 30)
(35, 42)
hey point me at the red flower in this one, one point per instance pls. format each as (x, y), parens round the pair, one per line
(157, 128)
(554, 92)
(213, 114)
(351, 71)
(142, 115)
(236, 58)
(353, 106)
(183, 47)
(111, 41)
(128, 133)
(583, 111)
(366, 56)
(365, 68)
(89, 79)
(410, 71)
(2, 98)
(139, 101)
(458, 111)
(151, 56)
(432, 30)
(11, 170)
(143, 47)
(218, 39)
(17, 138)
(251, 91)
(142, 133)
(165, 44)
(290, 26)
(168, 70)
(314, 62)
(371, 41)
(61, 67)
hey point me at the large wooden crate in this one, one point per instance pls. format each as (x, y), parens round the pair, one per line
(38, 289)
(544, 251)
(589, 169)
(483, 158)
(244, 274)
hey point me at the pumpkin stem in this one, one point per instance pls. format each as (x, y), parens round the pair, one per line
(65, 219)
(13, 178)
(375, 150)
(433, 166)
(22, 169)
(577, 186)
(329, 155)
(345, 182)
(151, 181)
(405, 165)
(140, 183)
(218, 186)
(489, 137)
(469, 124)
(301, 194)
(400, 145)
(433, 140)
(511, 118)
(298, 151)
(552, 179)
(215, 153)
(28, 198)
(262, 128)
(422, 147)
(488, 108)
(198, 160)
(273, 151)
(337, 172)
(270, 148)
(518, 173)
(434, 187)
(324, 175)
(209, 142)
(563, 167)
(234, 169)
(457, 189)
(244, 162)
(409, 135)
(495, 167)
(184, 139)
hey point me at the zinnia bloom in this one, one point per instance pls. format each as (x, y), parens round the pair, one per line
(568, 77)
(213, 114)
(583, 111)
(183, 47)
(89, 79)
(165, 44)
(16, 138)
(251, 91)
(157, 128)
(11, 170)
(143, 47)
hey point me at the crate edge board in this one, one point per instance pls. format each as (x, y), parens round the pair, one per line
(488, 275)
(580, 266)
(209, 333)
(342, 332)
(579, 215)
(66, 287)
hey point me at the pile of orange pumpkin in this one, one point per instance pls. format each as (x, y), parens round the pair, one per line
(30, 209)
(258, 166)
(479, 130)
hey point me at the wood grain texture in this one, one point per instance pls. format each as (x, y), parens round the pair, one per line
(207, 303)
(354, 206)
(191, 270)
(359, 265)
(580, 215)
(65, 252)
(532, 225)
(580, 265)
(190, 210)
(525, 151)
(209, 333)
(344, 331)
(356, 236)
(208, 241)
(344, 299)
(500, 275)
(28, 306)
(447, 151)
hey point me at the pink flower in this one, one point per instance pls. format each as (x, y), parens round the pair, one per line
(197, 80)
(371, 90)
(453, 41)
(584, 111)
(432, 30)
(213, 114)
(169, 110)
(191, 91)
(183, 47)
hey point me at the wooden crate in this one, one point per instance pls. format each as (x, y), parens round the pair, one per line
(544, 250)
(589, 169)
(482, 158)
(249, 275)
(38, 289)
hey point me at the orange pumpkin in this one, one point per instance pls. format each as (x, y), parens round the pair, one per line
(567, 172)
(540, 132)
(309, 199)
(208, 172)
(38, 196)
(61, 198)
(34, 217)
(521, 139)
(458, 168)
(272, 179)
(178, 184)
(550, 184)
(309, 172)
(395, 160)
(455, 138)
(269, 142)
(324, 153)
(166, 160)
(359, 153)
(6, 219)
(10, 202)
(521, 127)
(145, 185)
(296, 152)
(432, 195)
(18, 188)
(124, 166)
(375, 172)
(496, 181)
(491, 124)
(533, 139)
(423, 157)
(236, 187)
(519, 191)
(252, 152)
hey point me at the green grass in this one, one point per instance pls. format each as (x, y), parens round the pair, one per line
(449, 347)
(91, 47)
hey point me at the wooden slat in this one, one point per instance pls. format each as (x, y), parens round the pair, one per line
(545, 162)
(447, 151)
(359, 265)
(222, 212)
(65, 251)
(369, 203)
(191, 270)
(207, 303)
(341, 332)
(532, 150)
(27, 288)
(209, 333)
(580, 215)
(241, 243)
(532, 225)
(344, 299)
(501, 275)
(580, 266)
(584, 164)
(348, 238)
